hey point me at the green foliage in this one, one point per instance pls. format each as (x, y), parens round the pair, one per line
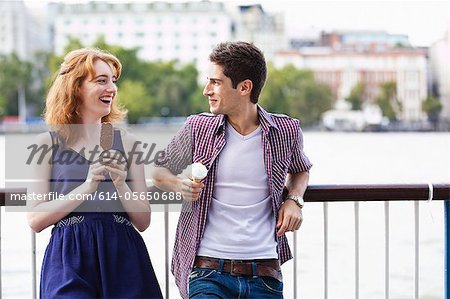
(356, 96)
(295, 92)
(432, 107)
(158, 88)
(14, 74)
(134, 97)
(388, 101)
(2, 105)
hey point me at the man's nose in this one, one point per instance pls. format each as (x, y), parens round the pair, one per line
(206, 90)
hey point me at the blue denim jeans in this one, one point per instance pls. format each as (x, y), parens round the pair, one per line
(208, 283)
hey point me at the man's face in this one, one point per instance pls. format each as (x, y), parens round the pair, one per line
(223, 98)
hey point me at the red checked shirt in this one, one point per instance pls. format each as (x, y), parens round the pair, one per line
(200, 140)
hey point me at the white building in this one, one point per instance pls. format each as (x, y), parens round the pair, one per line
(20, 32)
(186, 32)
(439, 54)
(343, 70)
(266, 31)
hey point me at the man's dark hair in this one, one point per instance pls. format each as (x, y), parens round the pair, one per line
(241, 61)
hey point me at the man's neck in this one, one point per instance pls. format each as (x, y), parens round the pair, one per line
(246, 120)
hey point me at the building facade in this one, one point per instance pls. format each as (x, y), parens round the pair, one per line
(20, 32)
(182, 31)
(185, 32)
(342, 70)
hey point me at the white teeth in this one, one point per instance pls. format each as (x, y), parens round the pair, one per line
(106, 99)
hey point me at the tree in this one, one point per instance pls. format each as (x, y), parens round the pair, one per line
(432, 107)
(14, 75)
(134, 97)
(147, 88)
(295, 92)
(388, 101)
(356, 96)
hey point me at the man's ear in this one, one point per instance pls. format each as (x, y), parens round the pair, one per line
(245, 87)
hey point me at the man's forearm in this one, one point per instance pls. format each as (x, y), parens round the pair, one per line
(297, 183)
(165, 180)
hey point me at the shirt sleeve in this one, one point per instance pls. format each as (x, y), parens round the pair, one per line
(299, 161)
(178, 154)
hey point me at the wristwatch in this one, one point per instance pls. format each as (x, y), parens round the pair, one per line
(297, 199)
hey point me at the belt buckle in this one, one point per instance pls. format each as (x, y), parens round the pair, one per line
(233, 262)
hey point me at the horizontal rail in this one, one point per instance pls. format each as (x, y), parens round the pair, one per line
(330, 193)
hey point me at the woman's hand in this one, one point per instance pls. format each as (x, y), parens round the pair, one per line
(96, 174)
(118, 171)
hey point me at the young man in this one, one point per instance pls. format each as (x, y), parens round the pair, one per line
(230, 238)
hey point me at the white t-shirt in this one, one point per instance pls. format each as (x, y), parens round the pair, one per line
(241, 222)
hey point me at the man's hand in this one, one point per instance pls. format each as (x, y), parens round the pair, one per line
(290, 218)
(190, 189)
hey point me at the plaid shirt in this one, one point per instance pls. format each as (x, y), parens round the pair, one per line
(201, 139)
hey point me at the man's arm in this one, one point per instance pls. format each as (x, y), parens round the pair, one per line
(177, 156)
(290, 215)
(165, 180)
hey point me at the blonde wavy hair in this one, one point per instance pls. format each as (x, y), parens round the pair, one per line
(63, 98)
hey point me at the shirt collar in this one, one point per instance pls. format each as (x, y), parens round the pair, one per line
(265, 119)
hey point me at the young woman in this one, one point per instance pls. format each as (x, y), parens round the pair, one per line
(95, 250)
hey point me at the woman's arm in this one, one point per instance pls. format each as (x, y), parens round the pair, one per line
(43, 213)
(136, 205)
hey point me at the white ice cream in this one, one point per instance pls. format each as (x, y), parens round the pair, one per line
(199, 171)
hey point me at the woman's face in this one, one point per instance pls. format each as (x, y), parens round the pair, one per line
(97, 93)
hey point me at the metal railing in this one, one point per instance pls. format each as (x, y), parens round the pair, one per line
(330, 194)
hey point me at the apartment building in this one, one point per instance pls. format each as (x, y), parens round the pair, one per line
(20, 32)
(342, 70)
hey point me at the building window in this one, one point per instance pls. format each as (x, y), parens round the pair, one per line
(140, 34)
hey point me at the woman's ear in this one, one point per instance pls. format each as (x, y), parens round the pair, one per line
(246, 87)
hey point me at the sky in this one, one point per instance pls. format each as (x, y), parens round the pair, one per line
(423, 21)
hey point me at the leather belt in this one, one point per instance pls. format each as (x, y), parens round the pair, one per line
(269, 268)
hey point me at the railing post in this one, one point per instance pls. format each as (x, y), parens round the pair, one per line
(386, 249)
(166, 248)
(325, 249)
(295, 264)
(416, 249)
(356, 206)
(1, 290)
(447, 251)
(33, 265)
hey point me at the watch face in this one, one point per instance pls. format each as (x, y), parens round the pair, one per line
(301, 201)
(298, 199)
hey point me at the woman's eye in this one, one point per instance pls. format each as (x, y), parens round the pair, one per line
(102, 81)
